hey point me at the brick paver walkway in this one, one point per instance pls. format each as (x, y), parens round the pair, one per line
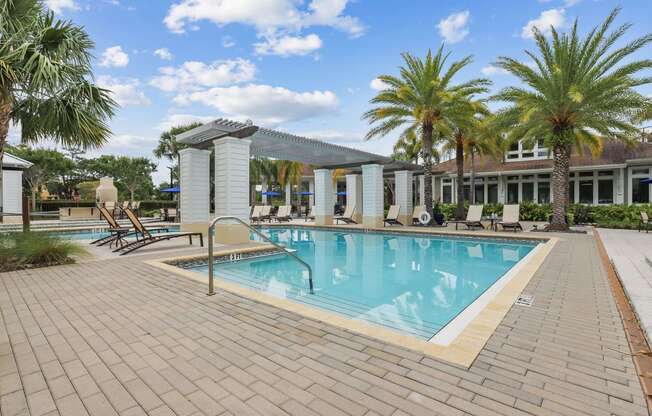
(121, 337)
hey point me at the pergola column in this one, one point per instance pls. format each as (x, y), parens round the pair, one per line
(311, 189)
(422, 190)
(323, 197)
(288, 193)
(194, 200)
(403, 195)
(231, 177)
(263, 196)
(354, 195)
(372, 195)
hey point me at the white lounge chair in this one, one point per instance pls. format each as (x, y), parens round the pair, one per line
(416, 213)
(511, 217)
(474, 217)
(392, 215)
(283, 213)
(347, 217)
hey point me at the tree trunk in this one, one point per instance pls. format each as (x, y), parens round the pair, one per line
(560, 169)
(472, 176)
(459, 161)
(427, 167)
(33, 199)
(5, 113)
(131, 195)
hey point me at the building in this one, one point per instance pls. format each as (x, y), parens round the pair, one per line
(12, 183)
(613, 177)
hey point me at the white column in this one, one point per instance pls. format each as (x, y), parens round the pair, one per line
(311, 189)
(194, 171)
(502, 190)
(231, 177)
(323, 197)
(288, 194)
(403, 195)
(263, 189)
(354, 195)
(619, 185)
(422, 191)
(372, 196)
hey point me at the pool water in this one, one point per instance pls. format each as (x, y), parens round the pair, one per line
(90, 234)
(410, 284)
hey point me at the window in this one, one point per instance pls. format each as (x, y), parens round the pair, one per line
(571, 192)
(467, 192)
(605, 191)
(492, 193)
(446, 194)
(479, 194)
(512, 193)
(528, 191)
(586, 174)
(586, 192)
(521, 151)
(543, 192)
(640, 191)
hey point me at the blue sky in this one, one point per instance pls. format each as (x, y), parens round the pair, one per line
(301, 66)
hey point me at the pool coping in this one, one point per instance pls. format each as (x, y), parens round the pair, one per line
(462, 350)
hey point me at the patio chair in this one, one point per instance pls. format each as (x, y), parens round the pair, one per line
(644, 222)
(511, 217)
(171, 214)
(255, 214)
(311, 214)
(265, 213)
(474, 217)
(416, 213)
(347, 217)
(392, 215)
(117, 232)
(144, 236)
(283, 214)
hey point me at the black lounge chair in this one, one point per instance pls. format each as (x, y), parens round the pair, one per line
(144, 237)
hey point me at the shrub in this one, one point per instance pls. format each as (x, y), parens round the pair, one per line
(33, 249)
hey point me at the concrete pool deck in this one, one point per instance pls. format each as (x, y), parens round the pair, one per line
(122, 337)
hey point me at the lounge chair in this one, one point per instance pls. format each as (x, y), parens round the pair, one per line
(117, 232)
(510, 218)
(255, 214)
(474, 217)
(416, 213)
(265, 213)
(347, 217)
(144, 237)
(311, 214)
(392, 215)
(283, 214)
(171, 214)
(644, 222)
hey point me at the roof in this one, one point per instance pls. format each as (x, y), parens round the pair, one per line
(285, 146)
(11, 161)
(613, 153)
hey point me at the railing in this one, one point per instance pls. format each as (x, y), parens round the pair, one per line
(211, 231)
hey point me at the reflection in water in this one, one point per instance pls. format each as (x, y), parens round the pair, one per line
(410, 284)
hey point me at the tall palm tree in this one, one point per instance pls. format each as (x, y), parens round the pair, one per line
(45, 72)
(408, 148)
(424, 99)
(579, 92)
(169, 148)
(290, 173)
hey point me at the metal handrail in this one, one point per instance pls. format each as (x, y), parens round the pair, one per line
(211, 230)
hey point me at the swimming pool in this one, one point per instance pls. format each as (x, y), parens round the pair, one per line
(410, 284)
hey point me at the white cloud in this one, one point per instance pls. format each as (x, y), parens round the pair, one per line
(163, 53)
(193, 75)
(173, 120)
(267, 16)
(454, 28)
(263, 103)
(547, 18)
(335, 136)
(125, 91)
(288, 45)
(377, 84)
(228, 42)
(114, 57)
(58, 6)
(571, 3)
(490, 70)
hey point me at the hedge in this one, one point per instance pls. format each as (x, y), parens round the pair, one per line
(606, 216)
(55, 204)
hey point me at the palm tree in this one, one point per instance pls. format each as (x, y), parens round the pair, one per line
(45, 72)
(289, 173)
(579, 92)
(169, 148)
(483, 142)
(423, 99)
(408, 148)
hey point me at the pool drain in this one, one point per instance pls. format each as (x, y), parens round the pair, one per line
(525, 300)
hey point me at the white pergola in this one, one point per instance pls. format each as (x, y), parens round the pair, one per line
(236, 142)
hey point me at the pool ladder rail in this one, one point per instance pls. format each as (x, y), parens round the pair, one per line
(211, 257)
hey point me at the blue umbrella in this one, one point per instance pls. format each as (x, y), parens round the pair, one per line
(648, 180)
(271, 193)
(304, 193)
(174, 190)
(341, 194)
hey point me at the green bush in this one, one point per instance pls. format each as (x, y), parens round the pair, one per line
(33, 249)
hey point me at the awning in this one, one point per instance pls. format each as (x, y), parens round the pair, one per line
(284, 146)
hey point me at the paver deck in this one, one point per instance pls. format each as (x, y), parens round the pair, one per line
(121, 337)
